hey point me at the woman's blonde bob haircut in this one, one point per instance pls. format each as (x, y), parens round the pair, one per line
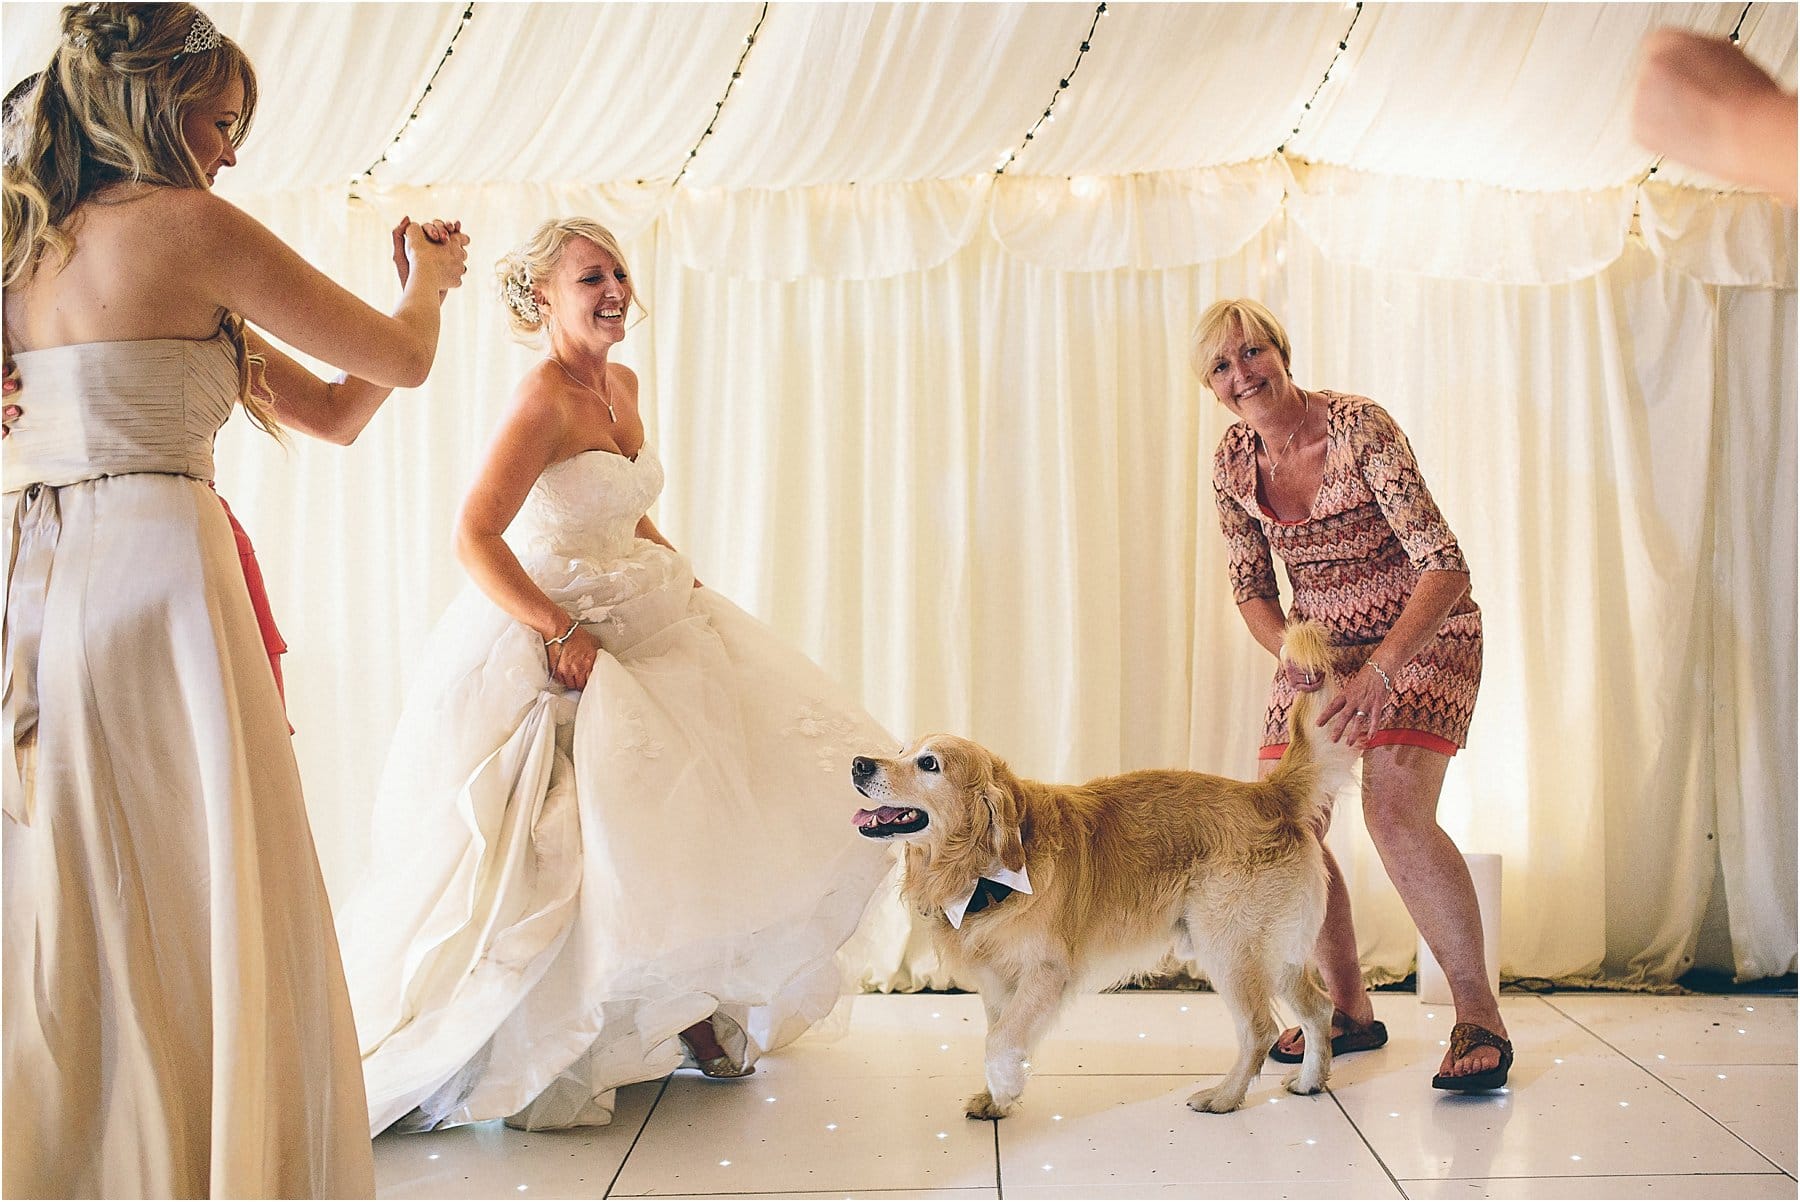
(1216, 324)
(526, 267)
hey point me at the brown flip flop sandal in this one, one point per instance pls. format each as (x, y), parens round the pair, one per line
(1465, 1038)
(1355, 1037)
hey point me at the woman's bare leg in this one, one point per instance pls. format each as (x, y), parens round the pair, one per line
(1400, 798)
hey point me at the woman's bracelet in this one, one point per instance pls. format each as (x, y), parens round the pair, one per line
(562, 638)
(1385, 678)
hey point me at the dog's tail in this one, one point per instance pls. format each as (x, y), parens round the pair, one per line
(1313, 768)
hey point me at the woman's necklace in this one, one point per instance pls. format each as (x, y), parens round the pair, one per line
(611, 416)
(1274, 462)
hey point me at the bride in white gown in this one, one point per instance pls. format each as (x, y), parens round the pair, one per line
(616, 806)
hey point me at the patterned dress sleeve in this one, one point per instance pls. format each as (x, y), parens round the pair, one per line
(1392, 474)
(1249, 566)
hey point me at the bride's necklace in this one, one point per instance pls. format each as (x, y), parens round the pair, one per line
(604, 399)
(1274, 460)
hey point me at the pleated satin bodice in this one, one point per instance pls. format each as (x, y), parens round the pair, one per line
(96, 409)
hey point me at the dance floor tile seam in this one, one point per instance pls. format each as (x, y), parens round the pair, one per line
(662, 1090)
(1724, 1128)
(1367, 1143)
(1662, 1076)
(1727, 1129)
(1716, 1029)
(1741, 1111)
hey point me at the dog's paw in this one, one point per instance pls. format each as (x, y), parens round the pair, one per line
(1298, 1082)
(1217, 1100)
(983, 1106)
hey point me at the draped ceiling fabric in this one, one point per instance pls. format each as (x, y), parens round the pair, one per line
(936, 424)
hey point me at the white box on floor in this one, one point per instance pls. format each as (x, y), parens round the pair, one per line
(1484, 871)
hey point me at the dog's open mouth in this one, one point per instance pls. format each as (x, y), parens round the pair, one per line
(890, 820)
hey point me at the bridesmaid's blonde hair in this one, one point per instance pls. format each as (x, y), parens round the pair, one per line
(108, 110)
(1253, 317)
(526, 266)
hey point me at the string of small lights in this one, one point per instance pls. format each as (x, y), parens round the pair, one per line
(1736, 32)
(1049, 113)
(1343, 45)
(1739, 27)
(719, 107)
(418, 104)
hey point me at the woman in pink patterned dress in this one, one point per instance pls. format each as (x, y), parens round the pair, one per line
(1328, 482)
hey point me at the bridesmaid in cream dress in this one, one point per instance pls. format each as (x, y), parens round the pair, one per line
(175, 1017)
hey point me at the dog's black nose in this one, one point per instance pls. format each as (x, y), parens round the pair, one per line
(862, 768)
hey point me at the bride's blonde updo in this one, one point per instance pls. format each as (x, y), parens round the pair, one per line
(525, 267)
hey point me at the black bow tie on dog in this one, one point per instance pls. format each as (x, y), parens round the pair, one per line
(987, 893)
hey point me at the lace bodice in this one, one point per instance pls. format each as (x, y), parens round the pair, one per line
(579, 530)
(588, 506)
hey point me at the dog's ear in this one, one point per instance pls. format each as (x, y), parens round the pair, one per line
(1000, 790)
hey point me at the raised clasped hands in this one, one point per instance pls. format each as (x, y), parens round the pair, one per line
(438, 247)
(572, 660)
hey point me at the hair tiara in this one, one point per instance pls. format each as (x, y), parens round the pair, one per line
(201, 35)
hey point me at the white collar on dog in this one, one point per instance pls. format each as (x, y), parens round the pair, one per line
(1000, 875)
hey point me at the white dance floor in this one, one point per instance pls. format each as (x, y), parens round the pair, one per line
(1613, 1096)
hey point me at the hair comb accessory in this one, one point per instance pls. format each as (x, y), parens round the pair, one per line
(520, 299)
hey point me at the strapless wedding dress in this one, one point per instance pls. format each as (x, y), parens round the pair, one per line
(559, 882)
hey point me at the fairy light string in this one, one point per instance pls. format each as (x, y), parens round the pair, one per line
(1343, 45)
(1739, 27)
(1048, 115)
(737, 73)
(413, 116)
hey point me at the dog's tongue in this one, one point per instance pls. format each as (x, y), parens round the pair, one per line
(868, 818)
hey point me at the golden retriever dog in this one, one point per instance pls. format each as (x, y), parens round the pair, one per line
(1037, 891)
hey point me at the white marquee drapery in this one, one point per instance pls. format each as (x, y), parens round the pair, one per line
(937, 425)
